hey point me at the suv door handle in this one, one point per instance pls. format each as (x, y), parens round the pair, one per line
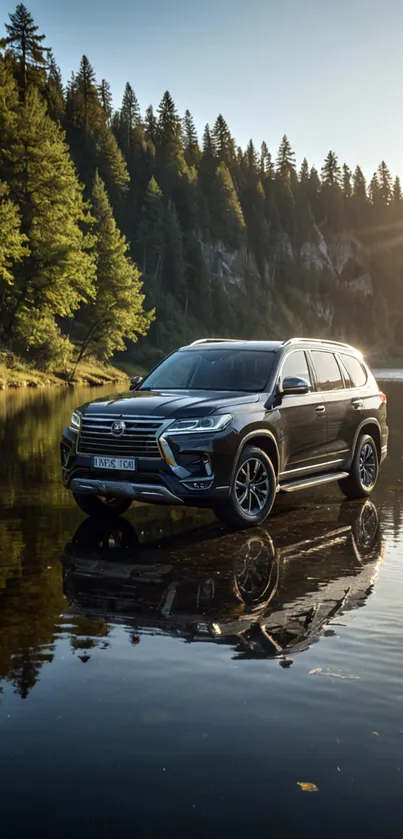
(320, 409)
(357, 404)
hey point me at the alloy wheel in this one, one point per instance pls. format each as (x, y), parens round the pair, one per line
(252, 486)
(367, 466)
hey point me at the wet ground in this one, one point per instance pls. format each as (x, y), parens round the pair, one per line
(160, 676)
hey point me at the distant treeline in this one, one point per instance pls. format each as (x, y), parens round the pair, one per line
(117, 224)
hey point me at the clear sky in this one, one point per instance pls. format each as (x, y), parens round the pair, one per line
(328, 74)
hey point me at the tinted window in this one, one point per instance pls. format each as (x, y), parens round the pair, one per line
(355, 370)
(327, 371)
(296, 365)
(212, 370)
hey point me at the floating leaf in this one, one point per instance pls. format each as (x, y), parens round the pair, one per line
(307, 787)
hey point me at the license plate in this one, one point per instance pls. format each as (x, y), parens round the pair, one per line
(122, 464)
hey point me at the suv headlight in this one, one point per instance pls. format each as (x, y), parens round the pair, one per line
(75, 422)
(199, 424)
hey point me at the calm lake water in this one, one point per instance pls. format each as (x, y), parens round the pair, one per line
(160, 676)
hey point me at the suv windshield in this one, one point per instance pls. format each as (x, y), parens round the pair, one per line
(212, 370)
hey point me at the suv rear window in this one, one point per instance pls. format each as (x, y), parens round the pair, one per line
(355, 370)
(327, 371)
(246, 370)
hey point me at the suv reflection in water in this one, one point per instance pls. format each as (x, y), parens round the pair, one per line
(266, 594)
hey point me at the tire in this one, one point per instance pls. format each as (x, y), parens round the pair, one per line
(259, 496)
(363, 471)
(94, 505)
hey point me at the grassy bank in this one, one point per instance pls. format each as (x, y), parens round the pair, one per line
(14, 373)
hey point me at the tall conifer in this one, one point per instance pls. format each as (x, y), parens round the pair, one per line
(25, 43)
(117, 314)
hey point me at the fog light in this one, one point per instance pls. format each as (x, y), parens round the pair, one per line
(197, 484)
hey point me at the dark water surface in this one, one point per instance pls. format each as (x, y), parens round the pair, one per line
(156, 674)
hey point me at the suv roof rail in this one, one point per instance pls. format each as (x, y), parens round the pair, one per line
(321, 341)
(215, 341)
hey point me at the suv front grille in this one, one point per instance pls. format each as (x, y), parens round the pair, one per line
(139, 438)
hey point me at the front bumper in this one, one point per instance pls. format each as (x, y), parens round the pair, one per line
(150, 493)
(194, 470)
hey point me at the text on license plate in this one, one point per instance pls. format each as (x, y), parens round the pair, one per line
(125, 464)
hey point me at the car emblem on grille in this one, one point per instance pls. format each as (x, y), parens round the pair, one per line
(118, 428)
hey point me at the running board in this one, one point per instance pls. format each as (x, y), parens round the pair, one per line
(306, 483)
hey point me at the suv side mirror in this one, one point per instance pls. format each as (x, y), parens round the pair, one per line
(135, 382)
(293, 384)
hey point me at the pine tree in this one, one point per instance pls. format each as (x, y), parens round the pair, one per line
(304, 172)
(314, 180)
(346, 182)
(112, 165)
(117, 314)
(359, 200)
(191, 143)
(359, 185)
(397, 191)
(130, 111)
(228, 223)
(285, 163)
(56, 274)
(331, 170)
(151, 125)
(169, 127)
(331, 199)
(105, 95)
(12, 242)
(208, 150)
(223, 143)
(25, 44)
(130, 132)
(150, 239)
(374, 190)
(207, 174)
(251, 156)
(87, 104)
(385, 183)
(170, 154)
(266, 163)
(252, 198)
(313, 189)
(54, 92)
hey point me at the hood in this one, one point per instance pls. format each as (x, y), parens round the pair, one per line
(170, 403)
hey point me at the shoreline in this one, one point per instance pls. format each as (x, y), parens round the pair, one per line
(89, 374)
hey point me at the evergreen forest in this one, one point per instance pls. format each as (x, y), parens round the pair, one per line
(124, 234)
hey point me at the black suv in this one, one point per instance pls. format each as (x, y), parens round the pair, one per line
(227, 424)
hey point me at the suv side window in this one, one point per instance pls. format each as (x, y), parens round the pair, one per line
(296, 364)
(327, 371)
(355, 370)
